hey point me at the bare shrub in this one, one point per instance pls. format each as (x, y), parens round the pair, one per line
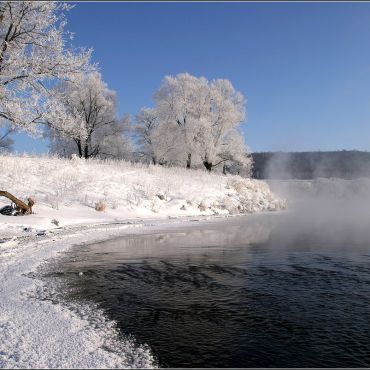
(202, 206)
(100, 206)
(55, 222)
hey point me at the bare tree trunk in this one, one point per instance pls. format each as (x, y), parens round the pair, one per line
(83, 149)
(86, 151)
(89, 151)
(208, 165)
(79, 146)
(21, 206)
(188, 161)
(224, 169)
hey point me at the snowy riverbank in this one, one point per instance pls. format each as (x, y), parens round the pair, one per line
(69, 191)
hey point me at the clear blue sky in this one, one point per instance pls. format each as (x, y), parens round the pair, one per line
(304, 67)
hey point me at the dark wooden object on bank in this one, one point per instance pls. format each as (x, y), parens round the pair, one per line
(22, 207)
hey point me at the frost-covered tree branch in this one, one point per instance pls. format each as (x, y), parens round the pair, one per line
(33, 55)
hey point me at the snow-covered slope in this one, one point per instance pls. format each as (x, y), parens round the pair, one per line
(69, 191)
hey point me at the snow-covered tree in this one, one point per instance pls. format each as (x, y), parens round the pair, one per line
(146, 124)
(87, 117)
(180, 105)
(33, 54)
(199, 120)
(6, 142)
(219, 139)
(156, 141)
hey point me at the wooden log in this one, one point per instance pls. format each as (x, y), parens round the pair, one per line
(21, 206)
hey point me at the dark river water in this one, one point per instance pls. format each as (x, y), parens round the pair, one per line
(257, 291)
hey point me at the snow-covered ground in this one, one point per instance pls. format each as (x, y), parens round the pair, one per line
(40, 333)
(69, 190)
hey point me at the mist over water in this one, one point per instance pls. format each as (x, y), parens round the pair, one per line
(334, 210)
(326, 201)
(276, 290)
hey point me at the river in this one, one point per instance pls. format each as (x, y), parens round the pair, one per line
(253, 291)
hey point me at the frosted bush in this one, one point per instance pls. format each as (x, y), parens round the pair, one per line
(156, 204)
(230, 204)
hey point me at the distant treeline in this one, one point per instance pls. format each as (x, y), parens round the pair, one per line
(346, 164)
